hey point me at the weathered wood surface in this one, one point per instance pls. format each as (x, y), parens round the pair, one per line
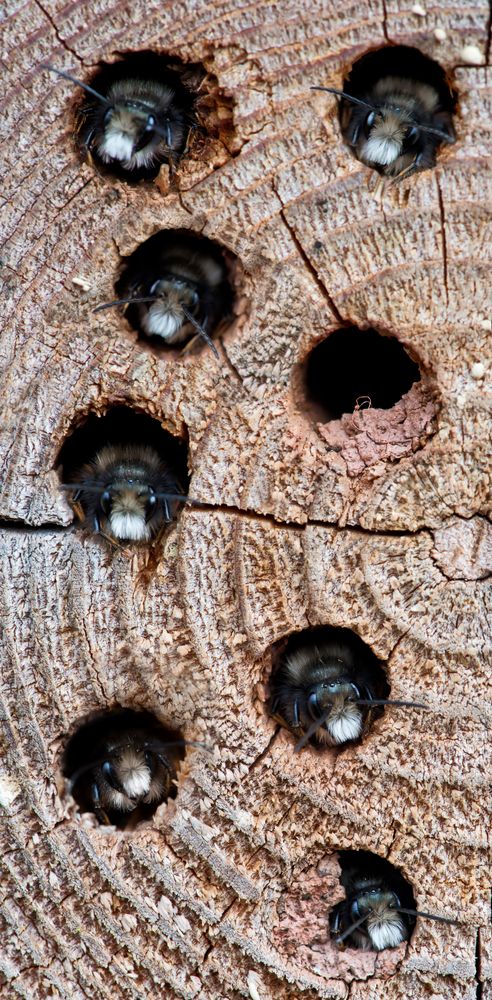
(206, 900)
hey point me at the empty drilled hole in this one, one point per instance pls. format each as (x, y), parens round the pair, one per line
(354, 369)
(121, 765)
(371, 916)
(398, 110)
(176, 288)
(325, 685)
(124, 474)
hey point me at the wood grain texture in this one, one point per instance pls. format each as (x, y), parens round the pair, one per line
(379, 522)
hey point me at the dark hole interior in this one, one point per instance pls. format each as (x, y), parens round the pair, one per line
(164, 253)
(181, 78)
(121, 425)
(312, 639)
(399, 61)
(102, 738)
(359, 866)
(355, 368)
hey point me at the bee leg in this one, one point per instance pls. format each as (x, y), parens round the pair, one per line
(97, 524)
(76, 495)
(97, 807)
(166, 509)
(295, 713)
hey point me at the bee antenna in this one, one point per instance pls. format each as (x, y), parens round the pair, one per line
(123, 302)
(73, 79)
(428, 916)
(346, 97)
(312, 730)
(436, 131)
(389, 701)
(181, 497)
(162, 744)
(203, 333)
(353, 927)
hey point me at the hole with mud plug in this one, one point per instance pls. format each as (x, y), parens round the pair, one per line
(353, 370)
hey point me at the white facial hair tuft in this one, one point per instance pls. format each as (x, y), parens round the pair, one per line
(381, 149)
(116, 146)
(129, 526)
(386, 933)
(345, 725)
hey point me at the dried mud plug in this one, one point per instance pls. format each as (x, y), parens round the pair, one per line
(175, 287)
(122, 765)
(128, 488)
(396, 110)
(379, 909)
(136, 115)
(328, 687)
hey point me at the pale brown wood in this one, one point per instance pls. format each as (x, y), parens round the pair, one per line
(380, 522)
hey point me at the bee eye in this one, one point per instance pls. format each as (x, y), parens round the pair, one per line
(411, 134)
(105, 501)
(371, 118)
(152, 500)
(150, 123)
(107, 116)
(355, 910)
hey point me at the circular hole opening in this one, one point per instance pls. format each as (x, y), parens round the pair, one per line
(401, 112)
(355, 369)
(121, 765)
(370, 916)
(185, 282)
(143, 116)
(323, 686)
(124, 474)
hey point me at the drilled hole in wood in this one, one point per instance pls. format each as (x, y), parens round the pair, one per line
(375, 894)
(357, 369)
(186, 280)
(124, 473)
(121, 765)
(323, 686)
(402, 110)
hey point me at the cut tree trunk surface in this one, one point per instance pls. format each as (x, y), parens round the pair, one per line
(378, 522)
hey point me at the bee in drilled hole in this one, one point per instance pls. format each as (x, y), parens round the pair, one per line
(128, 770)
(378, 911)
(126, 492)
(175, 288)
(328, 692)
(133, 124)
(396, 111)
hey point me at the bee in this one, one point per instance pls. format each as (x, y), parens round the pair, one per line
(121, 764)
(137, 116)
(396, 110)
(328, 690)
(379, 909)
(127, 492)
(175, 286)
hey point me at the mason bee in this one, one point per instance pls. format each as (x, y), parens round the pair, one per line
(328, 686)
(396, 110)
(175, 286)
(121, 763)
(379, 909)
(136, 116)
(127, 491)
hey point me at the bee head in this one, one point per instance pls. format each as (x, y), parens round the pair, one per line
(333, 702)
(129, 507)
(384, 926)
(387, 133)
(175, 298)
(128, 128)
